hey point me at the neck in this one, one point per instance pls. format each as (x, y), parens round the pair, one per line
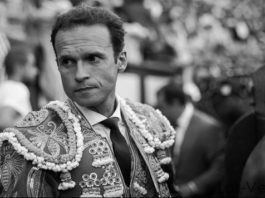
(107, 107)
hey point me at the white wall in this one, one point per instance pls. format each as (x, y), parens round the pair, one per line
(128, 86)
(152, 85)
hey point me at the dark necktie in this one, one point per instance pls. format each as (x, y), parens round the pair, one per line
(120, 148)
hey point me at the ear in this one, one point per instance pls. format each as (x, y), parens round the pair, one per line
(122, 61)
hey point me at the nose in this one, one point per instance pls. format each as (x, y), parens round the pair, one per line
(82, 72)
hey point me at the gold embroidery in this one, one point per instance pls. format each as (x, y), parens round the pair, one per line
(155, 166)
(66, 181)
(33, 118)
(88, 133)
(71, 152)
(66, 129)
(164, 191)
(152, 120)
(140, 173)
(100, 151)
(114, 187)
(49, 136)
(33, 182)
(110, 181)
(12, 165)
(140, 180)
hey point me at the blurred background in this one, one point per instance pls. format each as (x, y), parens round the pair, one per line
(211, 47)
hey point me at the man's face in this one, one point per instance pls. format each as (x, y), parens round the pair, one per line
(86, 62)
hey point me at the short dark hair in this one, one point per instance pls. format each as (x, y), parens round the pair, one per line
(172, 92)
(95, 3)
(87, 15)
(18, 55)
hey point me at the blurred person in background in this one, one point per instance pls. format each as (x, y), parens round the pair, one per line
(226, 98)
(95, 143)
(244, 163)
(198, 151)
(4, 43)
(14, 94)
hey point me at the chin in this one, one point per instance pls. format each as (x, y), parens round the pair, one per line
(88, 102)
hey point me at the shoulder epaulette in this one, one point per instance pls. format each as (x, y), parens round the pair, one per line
(51, 138)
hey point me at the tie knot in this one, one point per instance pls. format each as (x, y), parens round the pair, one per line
(111, 123)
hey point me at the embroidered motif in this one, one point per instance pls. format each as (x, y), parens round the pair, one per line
(100, 151)
(161, 132)
(49, 137)
(164, 191)
(33, 118)
(91, 192)
(153, 122)
(140, 174)
(115, 187)
(139, 188)
(143, 117)
(160, 174)
(88, 133)
(12, 165)
(87, 130)
(74, 135)
(110, 181)
(90, 185)
(162, 157)
(33, 182)
(141, 180)
(141, 169)
(66, 181)
(64, 162)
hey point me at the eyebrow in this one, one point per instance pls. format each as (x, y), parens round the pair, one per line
(85, 55)
(65, 56)
(99, 54)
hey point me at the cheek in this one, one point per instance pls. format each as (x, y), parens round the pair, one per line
(108, 78)
(66, 80)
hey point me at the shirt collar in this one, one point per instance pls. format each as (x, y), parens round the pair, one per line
(95, 117)
(186, 114)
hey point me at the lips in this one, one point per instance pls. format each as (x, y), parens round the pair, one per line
(85, 88)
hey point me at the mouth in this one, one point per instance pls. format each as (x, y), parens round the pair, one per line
(84, 89)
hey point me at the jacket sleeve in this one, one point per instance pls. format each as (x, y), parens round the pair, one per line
(214, 146)
(19, 178)
(253, 177)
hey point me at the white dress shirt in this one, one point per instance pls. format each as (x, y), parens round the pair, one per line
(95, 119)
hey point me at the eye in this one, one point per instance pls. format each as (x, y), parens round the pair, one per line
(93, 58)
(66, 62)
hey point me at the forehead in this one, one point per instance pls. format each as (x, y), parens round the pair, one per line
(93, 37)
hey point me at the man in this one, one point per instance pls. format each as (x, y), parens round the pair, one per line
(245, 147)
(14, 94)
(197, 153)
(70, 149)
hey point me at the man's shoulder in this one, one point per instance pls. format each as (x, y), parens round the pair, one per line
(206, 124)
(35, 120)
(254, 172)
(157, 124)
(145, 111)
(158, 135)
(206, 119)
(47, 137)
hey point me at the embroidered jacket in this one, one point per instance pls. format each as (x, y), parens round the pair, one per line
(55, 152)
